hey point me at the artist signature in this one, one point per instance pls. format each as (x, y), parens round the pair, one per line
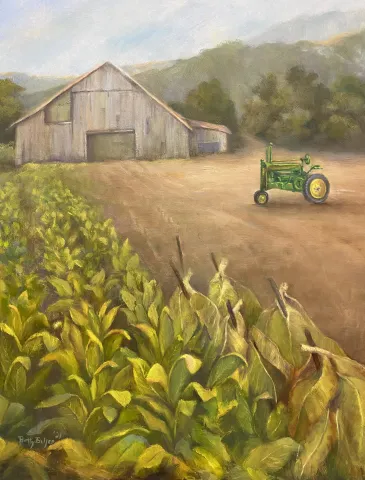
(36, 441)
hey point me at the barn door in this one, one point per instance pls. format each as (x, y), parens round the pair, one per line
(106, 146)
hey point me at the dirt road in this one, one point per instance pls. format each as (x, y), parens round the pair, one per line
(319, 250)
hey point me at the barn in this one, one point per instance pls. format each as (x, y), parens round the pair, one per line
(107, 115)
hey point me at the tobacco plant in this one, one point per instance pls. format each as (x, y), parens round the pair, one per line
(200, 386)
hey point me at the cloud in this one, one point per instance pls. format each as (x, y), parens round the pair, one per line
(69, 37)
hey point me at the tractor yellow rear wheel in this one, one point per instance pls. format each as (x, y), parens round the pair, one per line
(261, 197)
(316, 188)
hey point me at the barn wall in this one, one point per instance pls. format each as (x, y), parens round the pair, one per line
(99, 111)
(105, 78)
(203, 135)
(40, 142)
(158, 133)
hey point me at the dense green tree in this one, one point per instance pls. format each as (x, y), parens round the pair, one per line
(264, 113)
(301, 108)
(209, 102)
(10, 107)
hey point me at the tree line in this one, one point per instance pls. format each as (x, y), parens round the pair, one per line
(296, 108)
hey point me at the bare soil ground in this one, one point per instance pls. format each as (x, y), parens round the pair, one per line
(319, 250)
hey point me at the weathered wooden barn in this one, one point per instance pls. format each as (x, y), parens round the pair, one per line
(107, 115)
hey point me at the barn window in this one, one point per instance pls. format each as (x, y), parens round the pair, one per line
(59, 111)
(147, 126)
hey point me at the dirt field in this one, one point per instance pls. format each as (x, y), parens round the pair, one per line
(319, 250)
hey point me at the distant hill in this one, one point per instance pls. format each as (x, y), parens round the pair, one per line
(240, 66)
(236, 65)
(144, 67)
(312, 27)
(32, 100)
(34, 83)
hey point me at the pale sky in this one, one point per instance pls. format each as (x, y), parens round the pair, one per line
(63, 37)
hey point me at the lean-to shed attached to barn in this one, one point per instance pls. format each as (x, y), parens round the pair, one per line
(103, 115)
(208, 138)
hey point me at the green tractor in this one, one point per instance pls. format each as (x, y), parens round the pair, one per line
(292, 177)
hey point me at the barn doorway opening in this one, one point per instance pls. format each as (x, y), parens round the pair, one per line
(108, 146)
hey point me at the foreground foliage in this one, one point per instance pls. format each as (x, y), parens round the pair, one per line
(121, 383)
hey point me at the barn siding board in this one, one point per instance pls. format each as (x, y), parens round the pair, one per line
(106, 78)
(167, 137)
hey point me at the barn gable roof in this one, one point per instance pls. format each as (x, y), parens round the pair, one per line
(209, 126)
(82, 77)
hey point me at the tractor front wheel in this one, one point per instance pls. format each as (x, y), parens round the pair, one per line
(261, 197)
(316, 188)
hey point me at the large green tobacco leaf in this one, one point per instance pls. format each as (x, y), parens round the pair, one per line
(9, 346)
(78, 318)
(224, 367)
(148, 344)
(153, 459)
(158, 406)
(76, 453)
(221, 290)
(16, 378)
(318, 337)
(8, 450)
(288, 334)
(40, 343)
(278, 422)
(184, 319)
(272, 457)
(34, 324)
(119, 431)
(108, 319)
(351, 421)
(157, 377)
(181, 372)
(116, 398)
(209, 316)
(96, 423)
(103, 378)
(155, 423)
(195, 390)
(316, 448)
(210, 442)
(259, 379)
(269, 350)
(15, 321)
(310, 399)
(62, 287)
(78, 386)
(36, 387)
(113, 341)
(68, 405)
(345, 366)
(123, 453)
(94, 355)
(65, 359)
(166, 331)
(204, 461)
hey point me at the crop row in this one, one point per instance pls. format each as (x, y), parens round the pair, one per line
(111, 381)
